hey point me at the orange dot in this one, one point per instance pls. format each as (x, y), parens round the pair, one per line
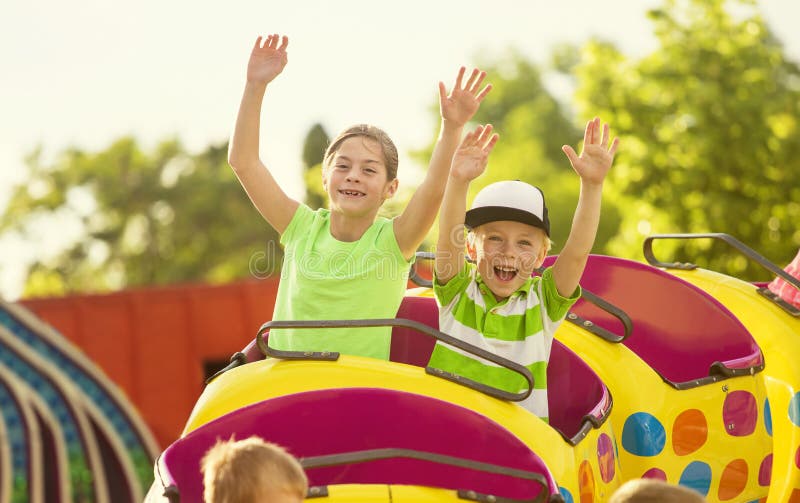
(586, 482)
(689, 432)
(795, 497)
(733, 479)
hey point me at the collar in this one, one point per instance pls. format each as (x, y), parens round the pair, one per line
(522, 291)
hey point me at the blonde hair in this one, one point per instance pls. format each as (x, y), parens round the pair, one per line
(654, 491)
(377, 134)
(239, 471)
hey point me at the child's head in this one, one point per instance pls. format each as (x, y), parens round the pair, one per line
(509, 234)
(251, 470)
(359, 171)
(654, 491)
(367, 132)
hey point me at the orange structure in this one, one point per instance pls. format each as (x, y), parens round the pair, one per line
(159, 344)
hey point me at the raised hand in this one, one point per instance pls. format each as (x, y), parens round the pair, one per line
(596, 157)
(472, 155)
(463, 101)
(268, 59)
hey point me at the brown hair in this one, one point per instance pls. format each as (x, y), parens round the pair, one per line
(654, 491)
(237, 471)
(388, 149)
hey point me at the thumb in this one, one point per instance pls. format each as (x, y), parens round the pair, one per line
(570, 153)
(442, 92)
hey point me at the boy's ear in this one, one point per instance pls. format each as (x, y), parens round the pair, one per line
(542, 253)
(471, 249)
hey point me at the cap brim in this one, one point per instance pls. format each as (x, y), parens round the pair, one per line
(486, 214)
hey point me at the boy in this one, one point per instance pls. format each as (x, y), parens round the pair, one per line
(252, 470)
(496, 304)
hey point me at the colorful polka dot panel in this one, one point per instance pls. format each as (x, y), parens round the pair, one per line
(723, 451)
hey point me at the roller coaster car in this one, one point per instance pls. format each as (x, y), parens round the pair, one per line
(684, 355)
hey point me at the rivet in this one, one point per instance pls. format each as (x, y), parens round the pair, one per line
(572, 316)
(587, 323)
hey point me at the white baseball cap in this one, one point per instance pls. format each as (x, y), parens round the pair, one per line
(509, 200)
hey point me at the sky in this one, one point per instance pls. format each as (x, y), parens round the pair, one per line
(86, 73)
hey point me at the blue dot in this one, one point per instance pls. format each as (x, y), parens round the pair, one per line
(794, 409)
(565, 494)
(767, 417)
(643, 435)
(697, 476)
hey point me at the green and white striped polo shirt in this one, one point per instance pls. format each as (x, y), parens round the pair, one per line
(519, 328)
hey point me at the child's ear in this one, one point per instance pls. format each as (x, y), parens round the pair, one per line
(471, 249)
(391, 189)
(542, 254)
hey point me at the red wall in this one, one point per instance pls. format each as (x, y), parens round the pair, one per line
(153, 342)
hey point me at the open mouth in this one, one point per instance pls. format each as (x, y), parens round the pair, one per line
(352, 193)
(505, 273)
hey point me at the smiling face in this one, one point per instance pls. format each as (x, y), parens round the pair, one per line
(356, 179)
(507, 253)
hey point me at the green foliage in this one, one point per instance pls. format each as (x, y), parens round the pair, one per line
(314, 146)
(709, 129)
(146, 218)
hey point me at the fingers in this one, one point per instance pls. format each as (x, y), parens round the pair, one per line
(587, 134)
(614, 145)
(271, 42)
(485, 134)
(604, 138)
(459, 77)
(442, 92)
(483, 93)
(570, 153)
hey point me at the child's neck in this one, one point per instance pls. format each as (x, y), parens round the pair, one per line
(348, 228)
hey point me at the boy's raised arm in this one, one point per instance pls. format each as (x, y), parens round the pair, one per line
(469, 162)
(267, 60)
(457, 109)
(592, 166)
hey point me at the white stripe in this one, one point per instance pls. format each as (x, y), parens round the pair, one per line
(474, 293)
(536, 402)
(518, 305)
(535, 347)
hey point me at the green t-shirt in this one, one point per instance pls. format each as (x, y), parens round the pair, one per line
(326, 279)
(519, 328)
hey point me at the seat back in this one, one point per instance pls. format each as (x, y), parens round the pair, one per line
(678, 329)
(358, 419)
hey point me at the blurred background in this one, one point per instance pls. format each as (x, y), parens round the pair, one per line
(116, 119)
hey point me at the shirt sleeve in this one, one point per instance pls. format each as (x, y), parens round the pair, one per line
(555, 304)
(299, 223)
(446, 293)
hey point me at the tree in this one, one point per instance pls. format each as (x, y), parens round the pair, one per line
(145, 218)
(314, 146)
(533, 125)
(709, 127)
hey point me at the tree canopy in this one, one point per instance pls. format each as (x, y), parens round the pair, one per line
(709, 127)
(147, 217)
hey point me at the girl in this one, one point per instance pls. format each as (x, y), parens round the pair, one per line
(343, 262)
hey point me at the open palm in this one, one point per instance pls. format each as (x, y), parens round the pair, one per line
(268, 59)
(463, 101)
(596, 158)
(472, 155)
